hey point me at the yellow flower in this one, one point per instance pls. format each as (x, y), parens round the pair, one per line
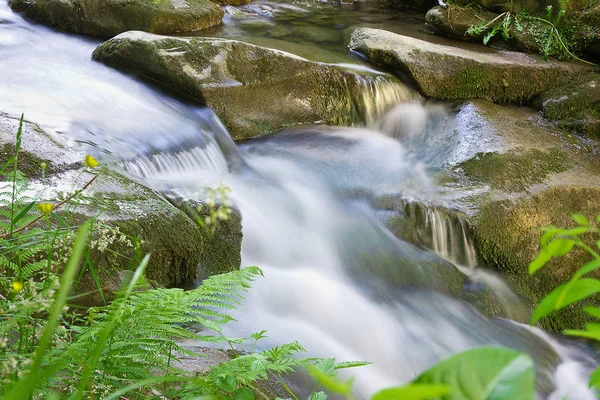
(17, 286)
(91, 161)
(44, 208)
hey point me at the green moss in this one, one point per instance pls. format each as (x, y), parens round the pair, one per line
(515, 170)
(574, 107)
(29, 164)
(111, 17)
(507, 239)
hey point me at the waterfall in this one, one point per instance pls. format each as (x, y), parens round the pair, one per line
(444, 232)
(336, 279)
(198, 158)
(381, 93)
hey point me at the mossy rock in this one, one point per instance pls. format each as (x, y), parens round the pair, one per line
(422, 5)
(110, 17)
(537, 175)
(575, 107)
(455, 21)
(181, 252)
(516, 169)
(508, 234)
(445, 72)
(579, 27)
(252, 89)
(515, 6)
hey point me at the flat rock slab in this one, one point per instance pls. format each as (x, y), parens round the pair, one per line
(254, 89)
(445, 72)
(111, 17)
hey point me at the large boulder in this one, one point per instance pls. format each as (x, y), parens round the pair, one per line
(533, 176)
(575, 107)
(514, 6)
(445, 72)
(455, 22)
(579, 28)
(253, 89)
(111, 17)
(128, 213)
(510, 174)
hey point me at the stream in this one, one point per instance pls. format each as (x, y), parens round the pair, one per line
(336, 278)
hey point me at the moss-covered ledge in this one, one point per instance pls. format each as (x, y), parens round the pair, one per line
(181, 252)
(447, 72)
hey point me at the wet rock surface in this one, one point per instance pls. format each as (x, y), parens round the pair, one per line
(253, 89)
(111, 17)
(444, 72)
(181, 251)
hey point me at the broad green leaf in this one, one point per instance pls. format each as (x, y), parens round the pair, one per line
(555, 248)
(583, 334)
(593, 311)
(226, 383)
(581, 220)
(413, 391)
(243, 394)
(595, 378)
(485, 373)
(565, 295)
(587, 268)
(539, 262)
(318, 396)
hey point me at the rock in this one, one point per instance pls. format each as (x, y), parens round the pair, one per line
(445, 72)
(580, 27)
(180, 251)
(232, 2)
(111, 17)
(533, 176)
(515, 6)
(422, 5)
(252, 89)
(455, 22)
(575, 107)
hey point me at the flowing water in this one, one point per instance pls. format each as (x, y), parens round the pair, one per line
(336, 278)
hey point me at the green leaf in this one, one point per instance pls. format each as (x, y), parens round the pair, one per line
(485, 373)
(593, 311)
(556, 248)
(487, 37)
(318, 396)
(413, 391)
(226, 383)
(587, 268)
(581, 220)
(243, 394)
(23, 212)
(595, 379)
(259, 335)
(565, 294)
(29, 382)
(329, 382)
(351, 364)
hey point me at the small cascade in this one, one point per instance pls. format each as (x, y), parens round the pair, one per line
(208, 158)
(380, 94)
(448, 235)
(443, 232)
